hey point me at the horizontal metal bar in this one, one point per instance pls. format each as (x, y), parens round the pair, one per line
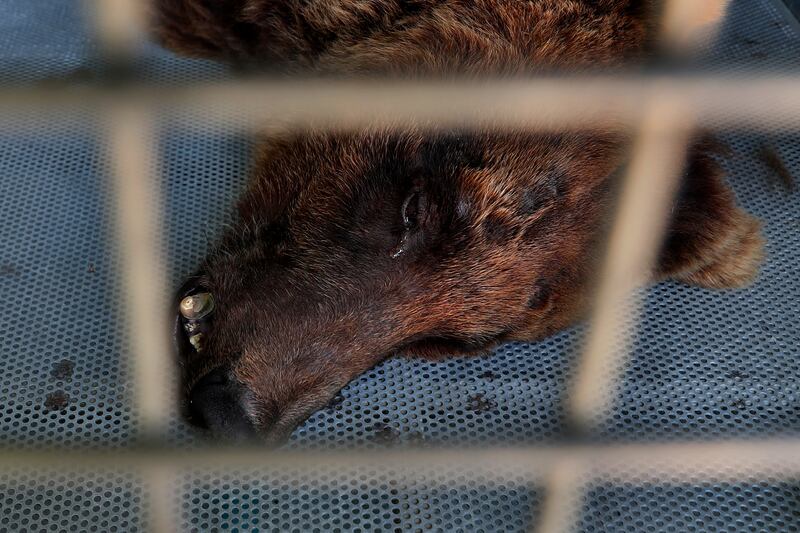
(642, 463)
(769, 103)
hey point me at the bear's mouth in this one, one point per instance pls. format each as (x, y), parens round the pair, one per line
(196, 311)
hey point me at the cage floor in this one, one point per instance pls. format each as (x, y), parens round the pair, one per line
(706, 365)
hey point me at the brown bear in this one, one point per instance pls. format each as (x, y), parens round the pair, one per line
(351, 246)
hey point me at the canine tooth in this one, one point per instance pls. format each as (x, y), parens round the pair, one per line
(197, 306)
(197, 342)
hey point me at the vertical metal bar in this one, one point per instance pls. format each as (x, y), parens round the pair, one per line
(161, 500)
(657, 161)
(139, 222)
(143, 308)
(563, 499)
(120, 24)
(685, 23)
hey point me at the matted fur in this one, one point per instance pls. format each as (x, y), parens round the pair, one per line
(352, 246)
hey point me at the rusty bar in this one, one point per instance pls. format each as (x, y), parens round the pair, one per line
(640, 221)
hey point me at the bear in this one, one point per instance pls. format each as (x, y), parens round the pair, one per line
(352, 246)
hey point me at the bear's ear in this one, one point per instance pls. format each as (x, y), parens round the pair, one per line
(710, 242)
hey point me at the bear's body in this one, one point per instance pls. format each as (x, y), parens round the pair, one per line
(352, 246)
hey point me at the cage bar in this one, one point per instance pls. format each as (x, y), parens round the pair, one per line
(564, 493)
(641, 219)
(144, 308)
(120, 26)
(637, 463)
(763, 103)
(686, 23)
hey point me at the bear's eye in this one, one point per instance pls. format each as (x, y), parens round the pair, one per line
(411, 210)
(415, 218)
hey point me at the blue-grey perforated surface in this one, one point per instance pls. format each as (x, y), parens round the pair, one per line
(706, 365)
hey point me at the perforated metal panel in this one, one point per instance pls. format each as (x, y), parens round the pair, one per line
(56, 501)
(766, 506)
(705, 365)
(246, 501)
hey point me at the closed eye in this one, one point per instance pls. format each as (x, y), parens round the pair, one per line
(410, 210)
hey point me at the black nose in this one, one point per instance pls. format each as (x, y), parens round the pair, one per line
(215, 403)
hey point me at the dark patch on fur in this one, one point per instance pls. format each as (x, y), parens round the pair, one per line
(497, 231)
(538, 227)
(539, 297)
(537, 197)
(532, 201)
(321, 40)
(450, 151)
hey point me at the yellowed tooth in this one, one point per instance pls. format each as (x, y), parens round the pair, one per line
(197, 342)
(197, 306)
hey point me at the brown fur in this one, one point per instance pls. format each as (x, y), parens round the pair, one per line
(324, 275)
(407, 36)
